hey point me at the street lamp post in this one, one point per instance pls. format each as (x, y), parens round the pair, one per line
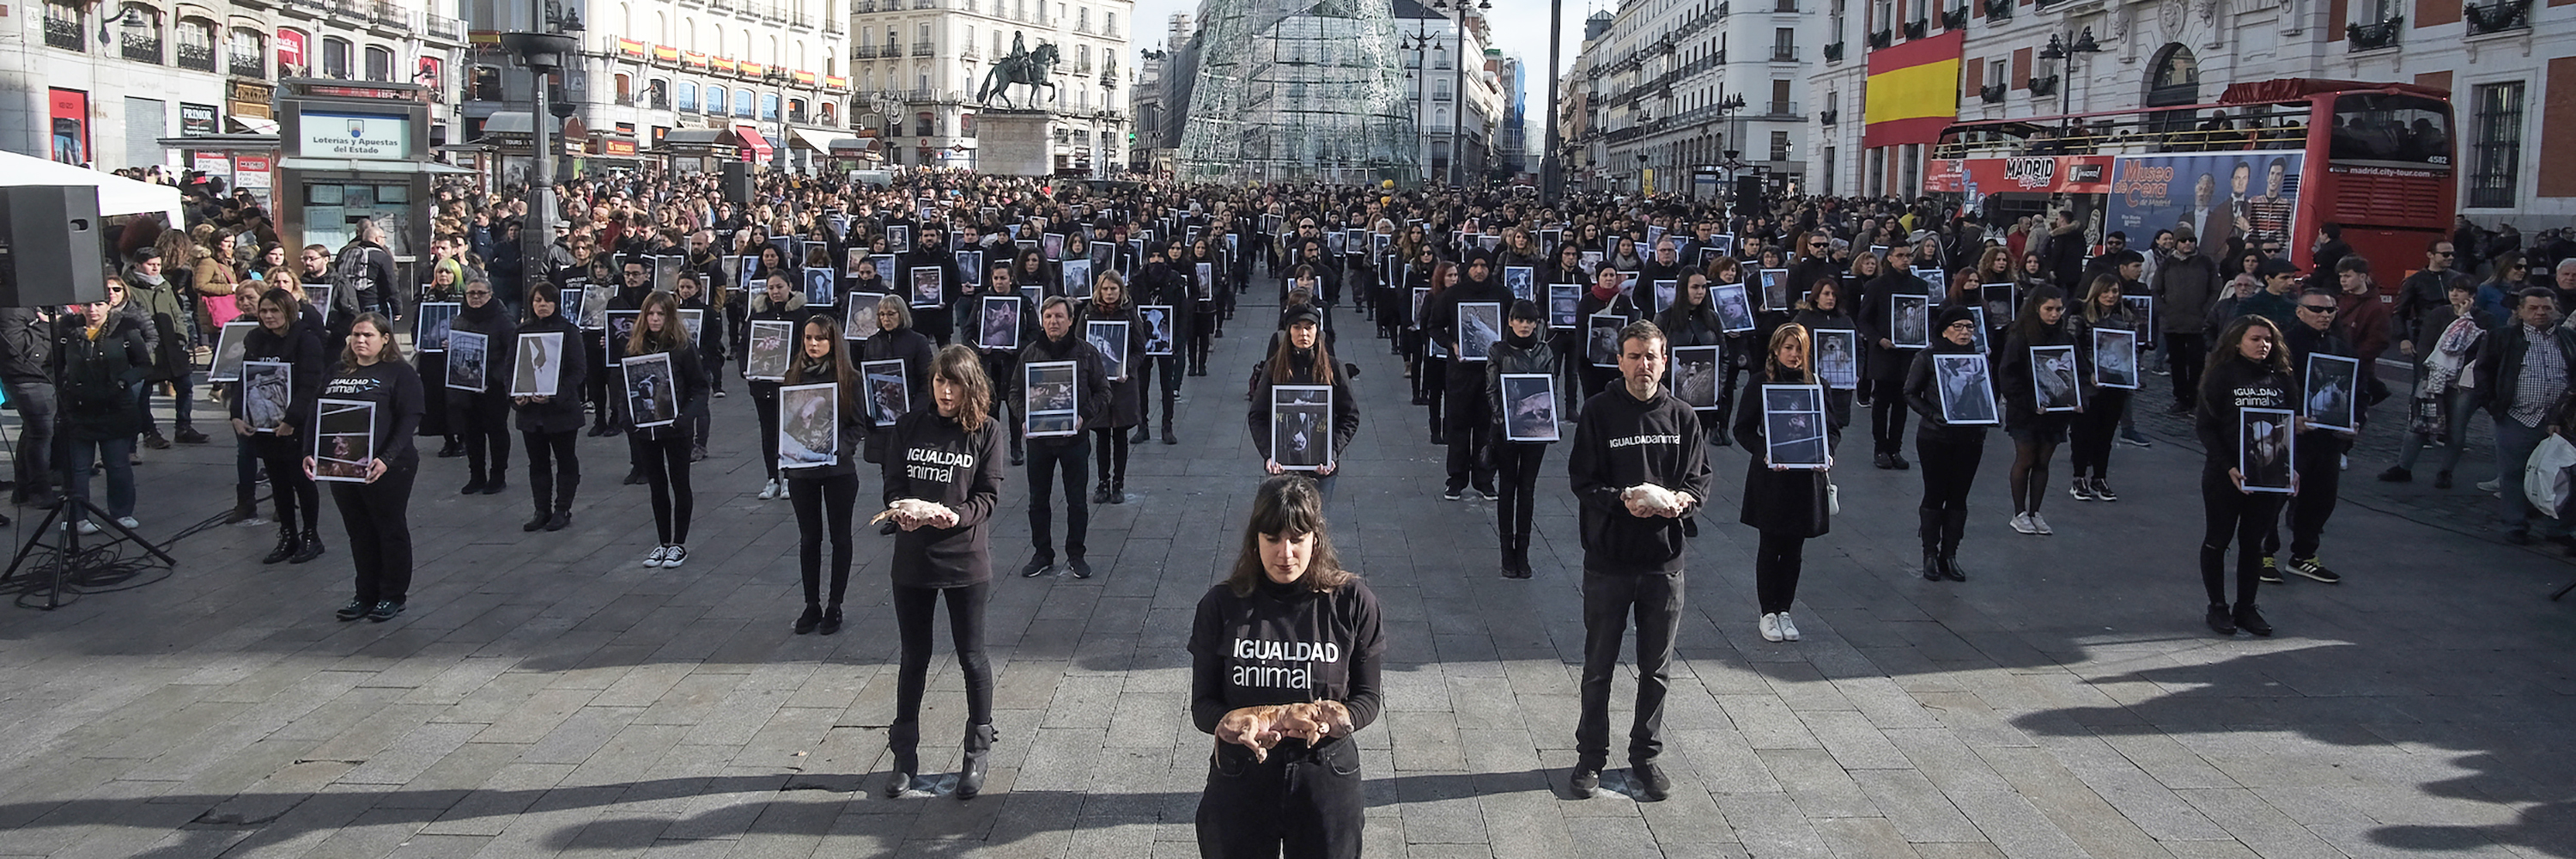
(1458, 118)
(1550, 171)
(2064, 53)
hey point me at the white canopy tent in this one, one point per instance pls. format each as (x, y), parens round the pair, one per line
(117, 195)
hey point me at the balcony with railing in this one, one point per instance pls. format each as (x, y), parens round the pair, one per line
(1955, 19)
(1998, 11)
(2372, 37)
(1829, 116)
(2043, 87)
(864, 6)
(970, 52)
(863, 52)
(247, 66)
(309, 7)
(198, 57)
(386, 14)
(1917, 28)
(2497, 17)
(65, 33)
(1991, 93)
(832, 25)
(355, 10)
(1784, 53)
(921, 49)
(142, 46)
(1780, 108)
(443, 27)
(1881, 39)
(1787, 6)
(925, 4)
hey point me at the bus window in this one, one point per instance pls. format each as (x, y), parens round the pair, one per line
(2401, 129)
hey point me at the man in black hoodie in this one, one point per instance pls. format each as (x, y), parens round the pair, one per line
(1464, 416)
(1162, 285)
(1630, 436)
(930, 250)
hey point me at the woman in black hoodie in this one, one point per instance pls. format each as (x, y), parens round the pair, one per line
(2035, 433)
(1301, 357)
(1949, 452)
(1523, 350)
(377, 510)
(482, 418)
(949, 455)
(285, 335)
(2249, 368)
(1787, 506)
(825, 494)
(548, 425)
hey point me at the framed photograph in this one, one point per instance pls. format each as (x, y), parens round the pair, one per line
(786, 246)
(467, 354)
(747, 268)
(1378, 242)
(998, 326)
(538, 372)
(1480, 326)
(1879, 251)
(1997, 300)
(818, 253)
(1355, 242)
(693, 321)
(1601, 339)
(621, 324)
(970, 268)
(318, 295)
(821, 290)
(1694, 376)
(889, 390)
(1662, 294)
(2053, 379)
(2329, 392)
(2143, 309)
(899, 236)
(231, 345)
(1838, 357)
(1980, 336)
(1334, 242)
(652, 390)
(1591, 262)
(1052, 244)
(885, 268)
(1161, 329)
(1967, 389)
(859, 319)
(1203, 281)
(809, 423)
(1103, 255)
(1522, 281)
(1052, 398)
(1934, 277)
(1421, 299)
(1301, 426)
(1564, 304)
(1734, 307)
(1775, 289)
(666, 273)
(1076, 278)
(1793, 426)
(1529, 407)
(344, 440)
(267, 391)
(1909, 323)
(571, 301)
(1110, 339)
(772, 347)
(430, 324)
(928, 287)
(1719, 244)
(593, 306)
(2265, 443)
(2115, 358)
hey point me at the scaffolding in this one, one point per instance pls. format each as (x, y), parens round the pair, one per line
(1297, 89)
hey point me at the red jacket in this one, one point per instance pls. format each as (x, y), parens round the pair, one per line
(2364, 319)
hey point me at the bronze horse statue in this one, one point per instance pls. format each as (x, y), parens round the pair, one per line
(1029, 68)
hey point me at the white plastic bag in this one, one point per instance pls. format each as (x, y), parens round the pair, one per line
(2545, 479)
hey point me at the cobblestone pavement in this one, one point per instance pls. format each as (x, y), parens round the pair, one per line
(545, 695)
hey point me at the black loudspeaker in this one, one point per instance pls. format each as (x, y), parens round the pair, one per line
(1748, 195)
(49, 246)
(737, 182)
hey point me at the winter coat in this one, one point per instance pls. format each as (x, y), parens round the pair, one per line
(99, 375)
(1790, 502)
(1126, 396)
(561, 412)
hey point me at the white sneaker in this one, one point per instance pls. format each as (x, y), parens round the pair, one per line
(773, 490)
(1788, 630)
(655, 559)
(2039, 526)
(1771, 627)
(129, 522)
(676, 556)
(2021, 523)
(2489, 485)
(87, 528)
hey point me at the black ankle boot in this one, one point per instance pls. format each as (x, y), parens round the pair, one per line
(309, 547)
(1168, 437)
(1100, 493)
(832, 619)
(1931, 564)
(903, 739)
(1142, 435)
(539, 521)
(812, 617)
(1118, 491)
(978, 762)
(287, 543)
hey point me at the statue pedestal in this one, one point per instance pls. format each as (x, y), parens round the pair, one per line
(1013, 143)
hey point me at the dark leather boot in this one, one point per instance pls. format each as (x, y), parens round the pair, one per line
(978, 762)
(309, 547)
(903, 739)
(1168, 437)
(1118, 491)
(1143, 435)
(287, 543)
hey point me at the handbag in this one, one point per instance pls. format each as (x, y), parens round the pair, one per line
(2545, 480)
(1833, 500)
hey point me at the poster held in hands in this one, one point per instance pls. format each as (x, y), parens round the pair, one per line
(344, 440)
(1838, 358)
(859, 322)
(2265, 443)
(809, 425)
(538, 372)
(267, 391)
(1694, 376)
(1109, 338)
(1301, 426)
(2115, 358)
(430, 324)
(1159, 328)
(1564, 304)
(652, 390)
(772, 346)
(231, 346)
(1967, 389)
(889, 390)
(2053, 378)
(1910, 323)
(1480, 325)
(1051, 398)
(466, 354)
(2328, 394)
(1601, 339)
(1793, 426)
(1529, 407)
(999, 326)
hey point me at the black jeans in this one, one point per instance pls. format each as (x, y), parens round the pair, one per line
(595, 386)
(289, 489)
(485, 426)
(554, 468)
(1045, 457)
(912, 607)
(378, 516)
(665, 461)
(764, 406)
(1518, 463)
(2095, 430)
(1776, 561)
(1303, 803)
(2320, 469)
(1887, 415)
(2246, 518)
(823, 507)
(35, 403)
(1112, 451)
(2188, 352)
(1949, 471)
(1169, 366)
(1467, 454)
(1608, 600)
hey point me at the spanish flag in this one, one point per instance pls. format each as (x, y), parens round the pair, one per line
(1913, 90)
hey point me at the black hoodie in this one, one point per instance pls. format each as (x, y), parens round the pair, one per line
(1285, 644)
(2233, 385)
(1619, 442)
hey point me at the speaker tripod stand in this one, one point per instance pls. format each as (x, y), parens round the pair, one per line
(69, 552)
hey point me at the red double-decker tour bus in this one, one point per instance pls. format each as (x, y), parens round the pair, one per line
(2269, 163)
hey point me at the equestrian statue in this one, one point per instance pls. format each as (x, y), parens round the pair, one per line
(1021, 66)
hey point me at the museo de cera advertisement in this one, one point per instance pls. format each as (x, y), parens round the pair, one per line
(2219, 195)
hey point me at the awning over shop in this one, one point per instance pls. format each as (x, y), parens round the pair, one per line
(253, 124)
(806, 138)
(692, 138)
(752, 141)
